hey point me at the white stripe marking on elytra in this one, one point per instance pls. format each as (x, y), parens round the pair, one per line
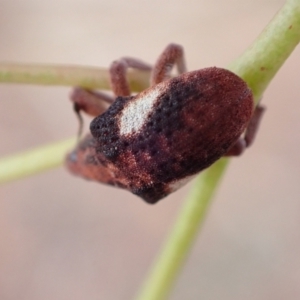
(136, 113)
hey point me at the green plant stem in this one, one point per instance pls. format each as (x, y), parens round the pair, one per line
(86, 77)
(34, 161)
(261, 61)
(183, 234)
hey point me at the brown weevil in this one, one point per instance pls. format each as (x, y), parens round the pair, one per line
(154, 142)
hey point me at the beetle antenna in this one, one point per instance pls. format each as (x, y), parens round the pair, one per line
(77, 110)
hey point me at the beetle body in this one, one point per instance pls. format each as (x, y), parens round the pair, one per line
(155, 141)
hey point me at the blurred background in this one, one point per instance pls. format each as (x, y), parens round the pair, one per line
(64, 238)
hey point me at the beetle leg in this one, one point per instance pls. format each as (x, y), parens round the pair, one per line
(92, 103)
(251, 130)
(172, 55)
(118, 72)
(254, 125)
(237, 149)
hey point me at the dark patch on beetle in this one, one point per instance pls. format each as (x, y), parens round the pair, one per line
(197, 118)
(105, 130)
(151, 193)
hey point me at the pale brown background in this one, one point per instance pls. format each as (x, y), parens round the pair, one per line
(64, 238)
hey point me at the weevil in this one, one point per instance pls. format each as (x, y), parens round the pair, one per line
(154, 142)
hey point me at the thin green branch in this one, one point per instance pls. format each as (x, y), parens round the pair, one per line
(261, 61)
(34, 161)
(86, 77)
(183, 234)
